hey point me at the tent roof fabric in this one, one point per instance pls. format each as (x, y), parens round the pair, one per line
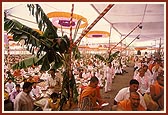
(123, 17)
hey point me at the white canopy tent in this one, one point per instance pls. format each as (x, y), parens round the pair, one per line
(122, 17)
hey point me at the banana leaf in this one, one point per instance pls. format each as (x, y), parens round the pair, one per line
(25, 63)
(46, 64)
(100, 57)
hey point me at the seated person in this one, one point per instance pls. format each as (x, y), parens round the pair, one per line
(30, 78)
(53, 82)
(36, 92)
(21, 84)
(131, 104)
(15, 92)
(89, 99)
(53, 102)
(10, 84)
(124, 93)
(8, 106)
(157, 91)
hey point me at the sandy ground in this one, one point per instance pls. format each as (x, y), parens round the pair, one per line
(119, 82)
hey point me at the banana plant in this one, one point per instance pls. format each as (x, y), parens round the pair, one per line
(108, 59)
(51, 48)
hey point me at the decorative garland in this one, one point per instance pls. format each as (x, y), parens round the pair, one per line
(97, 34)
(62, 19)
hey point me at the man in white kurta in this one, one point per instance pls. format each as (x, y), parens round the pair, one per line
(53, 82)
(109, 73)
(124, 93)
(144, 82)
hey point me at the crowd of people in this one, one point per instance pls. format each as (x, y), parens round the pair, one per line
(26, 89)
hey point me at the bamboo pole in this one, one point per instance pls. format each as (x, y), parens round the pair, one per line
(69, 59)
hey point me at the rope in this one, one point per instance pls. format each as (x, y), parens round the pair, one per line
(125, 37)
(143, 16)
(144, 13)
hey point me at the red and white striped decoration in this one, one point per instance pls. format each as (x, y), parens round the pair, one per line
(91, 26)
(71, 42)
(71, 21)
(71, 26)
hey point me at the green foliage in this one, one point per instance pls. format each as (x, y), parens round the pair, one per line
(52, 50)
(72, 84)
(25, 63)
(112, 56)
(100, 57)
(109, 59)
(10, 76)
(76, 53)
(42, 20)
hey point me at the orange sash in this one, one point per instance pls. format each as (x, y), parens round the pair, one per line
(158, 89)
(90, 92)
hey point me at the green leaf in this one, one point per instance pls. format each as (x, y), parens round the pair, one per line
(76, 52)
(25, 63)
(57, 65)
(40, 60)
(100, 57)
(46, 64)
(16, 37)
(40, 25)
(112, 56)
(44, 20)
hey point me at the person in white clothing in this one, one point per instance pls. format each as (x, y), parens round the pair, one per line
(124, 93)
(144, 82)
(109, 72)
(10, 84)
(148, 73)
(99, 76)
(44, 75)
(53, 82)
(156, 69)
(36, 92)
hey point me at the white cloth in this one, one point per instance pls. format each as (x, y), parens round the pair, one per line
(53, 82)
(36, 92)
(124, 93)
(11, 86)
(44, 76)
(109, 73)
(144, 83)
(149, 75)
